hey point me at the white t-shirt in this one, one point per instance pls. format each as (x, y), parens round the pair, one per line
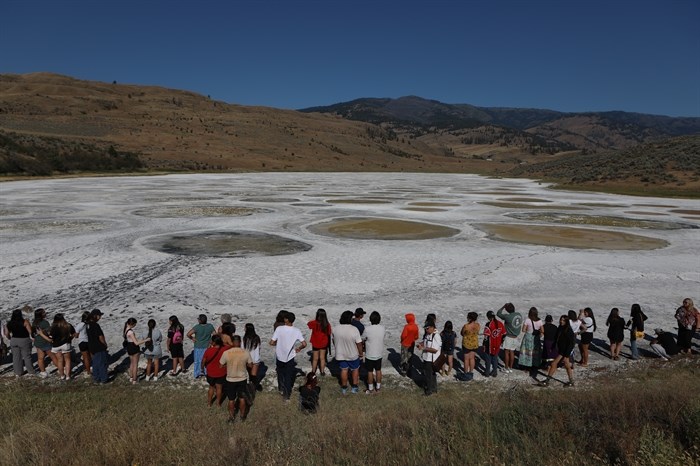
(531, 325)
(588, 322)
(346, 337)
(287, 339)
(81, 330)
(255, 354)
(374, 341)
(432, 341)
(575, 325)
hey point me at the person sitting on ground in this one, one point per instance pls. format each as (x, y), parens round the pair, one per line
(309, 394)
(494, 331)
(616, 332)
(237, 362)
(664, 344)
(448, 337)
(513, 322)
(430, 346)
(588, 326)
(374, 352)
(409, 335)
(636, 328)
(200, 335)
(687, 316)
(348, 351)
(357, 320)
(565, 341)
(470, 344)
(320, 340)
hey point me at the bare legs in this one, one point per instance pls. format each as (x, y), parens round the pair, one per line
(469, 361)
(615, 350)
(134, 367)
(567, 366)
(318, 360)
(86, 361)
(218, 390)
(152, 367)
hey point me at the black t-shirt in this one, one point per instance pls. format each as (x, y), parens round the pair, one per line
(309, 397)
(60, 338)
(17, 329)
(94, 332)
(550, 331)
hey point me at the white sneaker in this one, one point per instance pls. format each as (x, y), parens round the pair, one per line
(155, 378)
(43, 375)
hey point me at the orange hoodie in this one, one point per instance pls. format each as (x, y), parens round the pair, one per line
(410, 331)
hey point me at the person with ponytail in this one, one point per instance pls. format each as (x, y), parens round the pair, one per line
(153, 351)
(81, 330)
(251, 343)
(133, 349)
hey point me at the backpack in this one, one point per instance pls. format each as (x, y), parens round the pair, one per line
(177, 336)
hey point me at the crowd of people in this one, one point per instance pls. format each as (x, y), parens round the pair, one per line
(231, 362)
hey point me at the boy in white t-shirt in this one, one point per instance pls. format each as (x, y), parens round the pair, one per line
(288, 341)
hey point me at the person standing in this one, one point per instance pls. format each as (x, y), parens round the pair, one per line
(18, 330)
(97, 347)
(550, 343)
(531, 347)
(200, 335)
(176, 334)
(565, 341)
(42, 343)
(61, 337)
(448, 337)
(588, 326)
(320, 340)
(409, 335)
(237, 362)
(616, 332)
(288, 342)
(133, 349)
(348, 351)
(430, 346)
(470, 344)
(687, 316)
(374, 352)
(636, 328)
(153, 352)
(216, 373)
(81, 330)
(513, 323)
(494, 331)
(251, 343)
(357, 320)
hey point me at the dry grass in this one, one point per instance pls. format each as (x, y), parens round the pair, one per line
(651, 416)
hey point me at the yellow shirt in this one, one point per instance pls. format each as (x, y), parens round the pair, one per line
(470, 339)
(236, 361)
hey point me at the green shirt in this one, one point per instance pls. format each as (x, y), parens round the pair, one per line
(202, 335)
(40, 341)
(513, 321)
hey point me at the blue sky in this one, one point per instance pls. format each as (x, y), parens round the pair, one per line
(638, 56)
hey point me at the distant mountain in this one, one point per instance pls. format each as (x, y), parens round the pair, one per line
(565, 131)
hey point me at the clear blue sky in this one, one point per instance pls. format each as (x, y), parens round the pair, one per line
(569, 55)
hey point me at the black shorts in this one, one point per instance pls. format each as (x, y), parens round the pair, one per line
(373, 364)
(216, 380)
(236, 389)
(83, 346)
(466, 350)
(132, 349)
(313, 348)
(586, 338)
(176, 350)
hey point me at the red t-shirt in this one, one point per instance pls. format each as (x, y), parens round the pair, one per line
(494, 333)
(318, 339)
(212, 356)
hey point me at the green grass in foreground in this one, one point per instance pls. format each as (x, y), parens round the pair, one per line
(651, 416)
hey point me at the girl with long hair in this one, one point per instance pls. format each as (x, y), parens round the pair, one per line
(216, 373)
(470, 343)
(133, 349)
(61, 334)
(81, 330)
(531, 346)
(636, 328)
(19, 331)
(42, 342)
(616, 332)
(153, 351)
(588, 326)
(565, 342)
(448, 337)
(320, 340)
(251, 343)
(176, 334)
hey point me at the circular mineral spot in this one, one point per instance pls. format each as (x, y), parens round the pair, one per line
(599, 220)
(641, 212)
(197, 211)
(434, 204)
(518, 205)
(358, 201)
(569, 237)
(381, 228)
(424, 209)
(270, 199)
(52, 226)
(225, 244)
